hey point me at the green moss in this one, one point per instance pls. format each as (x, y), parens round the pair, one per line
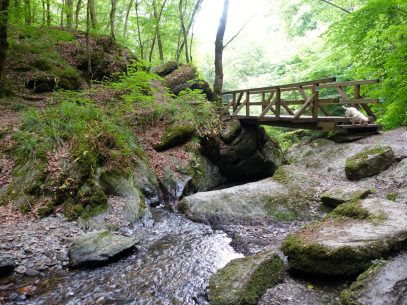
(351, 209)
(244, 280)
(392, 196)
(46, 210)
(72, 209)
(175, 136)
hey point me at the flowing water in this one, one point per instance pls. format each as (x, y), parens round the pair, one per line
(172, 265)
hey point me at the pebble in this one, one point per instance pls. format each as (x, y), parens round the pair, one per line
(21, 269)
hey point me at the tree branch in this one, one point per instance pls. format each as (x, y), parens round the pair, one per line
(240, 30)
(341, 8)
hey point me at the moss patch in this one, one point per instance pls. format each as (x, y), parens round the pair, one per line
(175, 136)
(243, 281)
(351, 209)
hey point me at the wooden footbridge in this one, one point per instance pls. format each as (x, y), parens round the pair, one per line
(303, 105)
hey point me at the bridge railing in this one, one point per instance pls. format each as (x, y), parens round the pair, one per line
(298, 101)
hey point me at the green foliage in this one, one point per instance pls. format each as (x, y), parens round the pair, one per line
(94, 136)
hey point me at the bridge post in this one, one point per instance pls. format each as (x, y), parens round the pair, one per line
(278, 102)
(315, 92)
(247, 103)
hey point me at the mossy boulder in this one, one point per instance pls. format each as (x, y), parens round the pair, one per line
(243, 152)
(349, 238)
(180, 78)
(244, 280)
(165, 68)
(369, 162)
(341, 194)
(257, 202)
(385, 282)
(99, 248)
(174, 136)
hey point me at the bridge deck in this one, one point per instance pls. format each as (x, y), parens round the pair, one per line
(300, 105)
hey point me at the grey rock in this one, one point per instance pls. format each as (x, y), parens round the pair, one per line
(7, 264)
(385, 283)
(244, 280)
(286, 196)
(165, 68)
(243, 152)
(369, 162)
(347, 243)
(99, 248)
(341, 194)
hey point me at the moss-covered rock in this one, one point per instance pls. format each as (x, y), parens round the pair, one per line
(99, 248)
(383, 283)
(349, 239)
(244, 280)
(72, 209)
(341, 194)
(174, 136)
(180, 78)
(369, 162)
(165, 68)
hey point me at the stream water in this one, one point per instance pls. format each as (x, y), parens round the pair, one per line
(172, 265)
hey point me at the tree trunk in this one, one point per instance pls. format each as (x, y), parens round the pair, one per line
(3, 43)
(61, 21)
(27, 12)
(181, 43)
(69, 13)
(157, 30)
(48, 13)
(77, 11)
(159, 42)
(112, 20)
(126, 21)
(92, 12)
(184, 31)
(218, 83)
(141, 44)
(88, 22)
(43, 12)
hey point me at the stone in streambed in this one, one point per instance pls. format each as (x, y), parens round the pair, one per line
(384, 283)
(349, 238)
(369, 162)
(7, 264)
(341, 194)
(98, 248)
(244, 280)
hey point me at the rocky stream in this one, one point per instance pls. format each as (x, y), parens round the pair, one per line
(256, 230)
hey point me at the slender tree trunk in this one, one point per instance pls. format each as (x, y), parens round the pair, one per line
(218, 83)
(27, 12)
(184, 31)
(126, 21)
(112, 20)
(88, 22)
(92, 12)
(195, 12)
(77, 11)
(48, 13)
(141, 44)
(69, 13)
(159, 42)
(3, 43)
(61, 19)
(157, 28)
(43, 12)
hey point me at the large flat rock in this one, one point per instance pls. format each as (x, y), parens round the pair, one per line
(98, 248)
(346, 241)
(286, 196)
(244, 280)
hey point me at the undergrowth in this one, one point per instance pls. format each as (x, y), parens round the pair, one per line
(94, 136)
